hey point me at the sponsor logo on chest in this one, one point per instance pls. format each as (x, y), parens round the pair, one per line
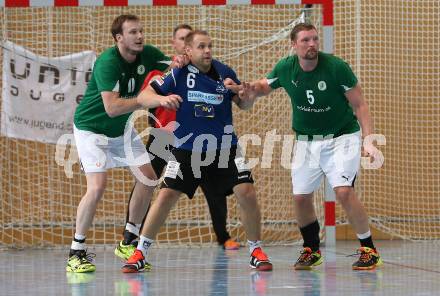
(202, 97)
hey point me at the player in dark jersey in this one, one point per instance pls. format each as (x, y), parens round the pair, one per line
(99, 127)
(327, 103)
(206, 150)
(159, 145)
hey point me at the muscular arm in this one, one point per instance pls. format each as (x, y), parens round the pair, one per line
(149, 98)
(115, 106)
(247, 93)
(242, 104)
(360, 107)
(262, 88)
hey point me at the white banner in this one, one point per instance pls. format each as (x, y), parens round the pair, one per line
(40, 94)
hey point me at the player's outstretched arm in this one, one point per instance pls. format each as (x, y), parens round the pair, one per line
(115, 106)
(246, 96)
(261, 87)
(247, 93)
(149, 98)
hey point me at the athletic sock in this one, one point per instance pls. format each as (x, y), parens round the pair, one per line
(310, 234)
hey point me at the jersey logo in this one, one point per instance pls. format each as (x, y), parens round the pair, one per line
(192, 69)
(295, 83)
(346, 88)
(204, 110)
(322, 85)
(221, 89)
(141, 69)
(201, 97)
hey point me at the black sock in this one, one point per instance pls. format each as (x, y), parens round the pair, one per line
(128, 236)
(81, 241)
(367, 242)
(310, 234)
(76, 252)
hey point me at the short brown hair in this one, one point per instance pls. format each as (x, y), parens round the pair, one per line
(119, 21)
(190, 37)
(181, 26)
(301, 27)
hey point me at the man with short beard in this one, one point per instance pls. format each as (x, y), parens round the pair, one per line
(205, 132)
(99, 127)
(159, 145)
(324, 92)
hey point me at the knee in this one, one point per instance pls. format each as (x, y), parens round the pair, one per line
(148, 172)
(246, 194)
(303, 200)
(344, 194)
(95, 192)
(167, 196)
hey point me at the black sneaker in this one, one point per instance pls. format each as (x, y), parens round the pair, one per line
(369, 258)
(308, 259)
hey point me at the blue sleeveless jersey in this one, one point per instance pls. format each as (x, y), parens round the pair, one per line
(204, 118)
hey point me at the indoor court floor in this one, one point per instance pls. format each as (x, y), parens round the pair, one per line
(409, 269)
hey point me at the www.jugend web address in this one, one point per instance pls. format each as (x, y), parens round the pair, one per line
(41, 124)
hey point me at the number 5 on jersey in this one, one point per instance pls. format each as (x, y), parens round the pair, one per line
(310, 97)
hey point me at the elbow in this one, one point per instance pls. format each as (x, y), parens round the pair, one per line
(111, 113)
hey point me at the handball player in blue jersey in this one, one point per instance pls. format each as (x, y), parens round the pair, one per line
(205, 146)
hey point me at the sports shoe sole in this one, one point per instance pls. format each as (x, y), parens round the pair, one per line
(134, 270)
(69, 269)
(263, 267)
(303, 267)
(231, 248)
(378, 264)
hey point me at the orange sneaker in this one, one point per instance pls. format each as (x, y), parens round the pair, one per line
(136, 263)
(260, 261)
(231, 244)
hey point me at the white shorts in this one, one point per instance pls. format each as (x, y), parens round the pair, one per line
(338, 159)
(98, 153)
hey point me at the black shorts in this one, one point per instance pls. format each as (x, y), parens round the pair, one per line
(186, 170)
(159, 146)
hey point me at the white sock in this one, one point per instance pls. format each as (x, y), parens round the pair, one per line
(78, 243)
(364, 235)
(144, 244)
(133, 228)
(253, 245)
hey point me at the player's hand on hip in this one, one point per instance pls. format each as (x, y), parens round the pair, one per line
(171, 102)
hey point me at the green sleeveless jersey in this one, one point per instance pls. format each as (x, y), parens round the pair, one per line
(319, 106)
(112, 72)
